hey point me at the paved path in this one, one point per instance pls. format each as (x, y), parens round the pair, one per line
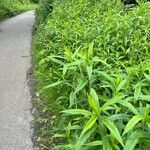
(15, 101)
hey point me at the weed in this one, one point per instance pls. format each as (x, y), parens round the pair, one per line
(93, 64)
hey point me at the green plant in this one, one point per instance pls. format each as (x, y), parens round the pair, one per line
(93, 64)
(10, 8)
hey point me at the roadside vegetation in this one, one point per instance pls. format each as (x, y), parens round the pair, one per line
(92, 65)
(10, 8)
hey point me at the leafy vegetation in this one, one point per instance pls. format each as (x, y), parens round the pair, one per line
(92, 63)
(11, 8)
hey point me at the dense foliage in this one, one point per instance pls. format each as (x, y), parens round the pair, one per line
(92, 63)
(10, 8)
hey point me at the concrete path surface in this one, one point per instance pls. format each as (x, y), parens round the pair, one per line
(15, 100)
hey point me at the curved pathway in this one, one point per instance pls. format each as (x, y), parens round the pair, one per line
(15, 100)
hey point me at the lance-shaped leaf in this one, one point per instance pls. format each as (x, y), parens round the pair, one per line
(93, 103)
(111, 102)
(144, 97)
(129, 106)
(94, 143)
(134, 138)
(89, 124)
(113, 129)
(53, 84)
(77, 112)
(132, 122)
(120, 86)
(83, 139)
(81, 86)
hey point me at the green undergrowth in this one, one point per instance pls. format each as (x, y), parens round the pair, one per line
(92, 64)
(10, 8)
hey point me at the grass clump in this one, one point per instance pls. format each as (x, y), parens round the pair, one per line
(10, 8)
(92, 63)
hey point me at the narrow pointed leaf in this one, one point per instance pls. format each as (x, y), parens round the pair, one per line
(72, 98)
(144, 97)
(89, 124)
(95, 96)
(134, 138)
(93, 104)
(94, 143)
(81, 86)
(106, 76)
(113, 129)
(89, 71)
(120, 86)
(67, 146)
(129, 106)
(83, 139)
(132, 122)
(53, 84)
(77, 112)
(111, 102)
(90, 50)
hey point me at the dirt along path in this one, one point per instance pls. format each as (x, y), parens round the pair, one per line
(15, 99)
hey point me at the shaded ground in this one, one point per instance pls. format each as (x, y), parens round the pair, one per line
(15, 99)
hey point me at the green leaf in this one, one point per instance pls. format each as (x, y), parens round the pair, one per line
(56, 60)
(89, 124)
(53, 84)
(68, 53)
(147, 111)
(65, 68)
(93, 104)
(111, 102)
(129, 106)
(94, 96)
(67, 146)
(69, 66)
(83, 139)
(94, 143)
(130, 145)
(147, 76)
(144, 97)
(72, 98)
(137, 91)
(115, 146)
(90, 50)
(113, 129)
(74, 127)
(132, 122)
(77, 112)
(89, 71)
(118, 117)
(106, 143)
(81, 86)
(133, 139)
(106, 76)
(59, 136)
(121, 85)
(97, 59)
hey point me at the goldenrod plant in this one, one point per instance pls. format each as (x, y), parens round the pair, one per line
(92, 64)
